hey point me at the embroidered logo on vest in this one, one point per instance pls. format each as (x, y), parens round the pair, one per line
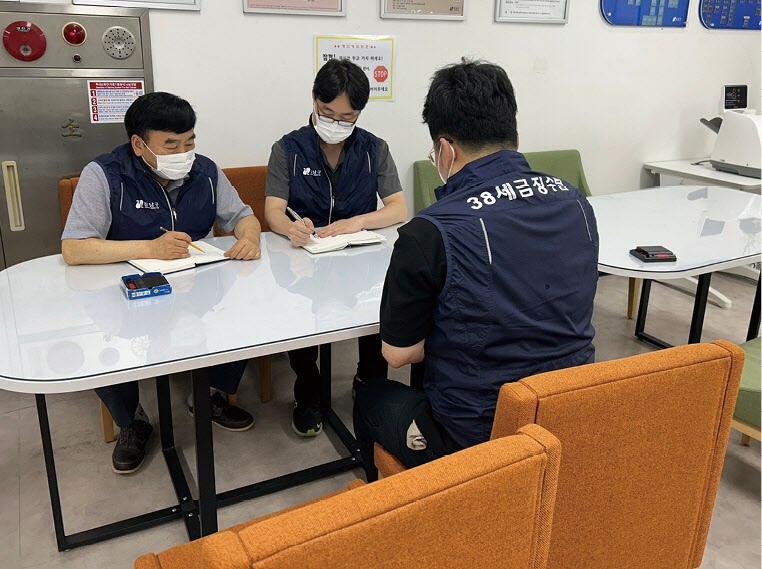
(140, 204)
(310, 172)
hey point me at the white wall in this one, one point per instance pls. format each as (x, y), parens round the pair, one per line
(620, 95)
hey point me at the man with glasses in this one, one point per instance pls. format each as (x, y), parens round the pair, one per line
(329, 173)
(492, 283)
(123, 200)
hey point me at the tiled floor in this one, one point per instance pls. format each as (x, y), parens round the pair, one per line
(93, 495)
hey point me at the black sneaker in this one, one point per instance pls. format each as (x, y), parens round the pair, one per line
(306, 421)
(130, 449)
(226, 416)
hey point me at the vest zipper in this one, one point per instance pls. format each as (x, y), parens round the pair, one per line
(173, 218)
(330, 211)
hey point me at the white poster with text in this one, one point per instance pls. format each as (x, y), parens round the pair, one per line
(373, 54)
(109, 100)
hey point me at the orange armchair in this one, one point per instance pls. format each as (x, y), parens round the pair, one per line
(487, 506)
(644, 440)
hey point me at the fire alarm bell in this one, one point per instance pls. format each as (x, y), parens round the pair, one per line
(24, 41)
(74, 33)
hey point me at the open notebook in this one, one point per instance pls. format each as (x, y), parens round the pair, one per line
(325, 244)
(211, 254)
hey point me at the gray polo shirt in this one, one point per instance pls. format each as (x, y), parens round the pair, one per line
(277, 172)
(90, 214)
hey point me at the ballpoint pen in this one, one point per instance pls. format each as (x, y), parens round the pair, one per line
(196, 247)
(298, 217)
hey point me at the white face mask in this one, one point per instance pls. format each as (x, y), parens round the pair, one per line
(333, 132)
(171, 166)
(444, 180)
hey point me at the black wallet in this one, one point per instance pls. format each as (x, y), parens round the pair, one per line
(653, 254)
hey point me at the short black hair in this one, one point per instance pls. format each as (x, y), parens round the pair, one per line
(473, 103)
(342, 76)
(159, 111)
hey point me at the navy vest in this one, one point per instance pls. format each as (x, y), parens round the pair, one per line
(140, 205)
(311, 193)
(522, 253)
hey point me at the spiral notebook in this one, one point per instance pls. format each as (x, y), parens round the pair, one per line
(210, 254)
(337, 242)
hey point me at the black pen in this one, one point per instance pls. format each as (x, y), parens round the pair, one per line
(298, 217)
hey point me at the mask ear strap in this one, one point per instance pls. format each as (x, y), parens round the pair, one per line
(146, 146)
(453, 159)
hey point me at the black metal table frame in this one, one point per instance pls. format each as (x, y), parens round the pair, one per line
(699, 310)
(199, 514)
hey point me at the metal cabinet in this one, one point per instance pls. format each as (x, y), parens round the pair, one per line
(48, 131)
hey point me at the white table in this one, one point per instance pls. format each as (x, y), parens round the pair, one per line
(66, 329)
(708, 228)
(703, 172)
(700, 170)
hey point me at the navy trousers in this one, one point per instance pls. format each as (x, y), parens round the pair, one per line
(383, 412)
(122, 400)
(371, 366)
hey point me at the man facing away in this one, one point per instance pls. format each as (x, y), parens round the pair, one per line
(148, 199)
(492, 283)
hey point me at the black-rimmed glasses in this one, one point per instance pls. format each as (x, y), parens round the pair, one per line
(329, 120)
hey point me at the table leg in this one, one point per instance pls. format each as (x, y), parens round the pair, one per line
(325, 377)
(720, 299)
(184, 497)
(645, 294)
(640, 323)
(50, 468)
(633, 287)
(326, 405)
(202, 412)
(100, 533)
(755, 315)
(699, 308)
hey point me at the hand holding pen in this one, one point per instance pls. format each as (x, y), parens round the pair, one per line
(171, 245)
(301, 230)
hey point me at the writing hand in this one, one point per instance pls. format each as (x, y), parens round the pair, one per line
(171, 245)
(299, 233)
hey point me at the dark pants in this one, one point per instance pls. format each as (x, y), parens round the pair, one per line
(122, 400)
(371, 367)
(383, 413)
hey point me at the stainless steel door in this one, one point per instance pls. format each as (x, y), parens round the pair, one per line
(2, 255)
(45, 130)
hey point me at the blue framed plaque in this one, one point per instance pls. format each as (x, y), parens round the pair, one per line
(651, 13)
(730, 14)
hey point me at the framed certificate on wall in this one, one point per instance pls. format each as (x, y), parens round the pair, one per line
(160, 4)
(303, 7)
(424, 9)
(532, 11)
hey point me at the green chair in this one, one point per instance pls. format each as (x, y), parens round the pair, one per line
(426, 180)
(746, 418)
(564, 164)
